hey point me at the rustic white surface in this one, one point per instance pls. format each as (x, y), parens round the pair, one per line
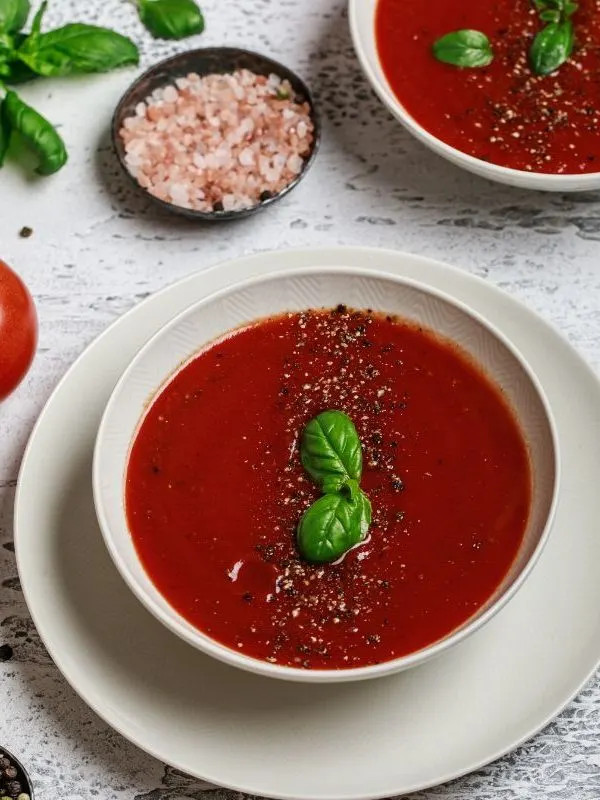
(97, 249)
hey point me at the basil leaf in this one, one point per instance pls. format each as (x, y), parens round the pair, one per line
(36, 25)
(569, 9)
(77, 48)
(330, 527)
(464, 48)
(550, 15)
(171, 19)
(330, 450)
(13, 15)
(17, 72)
(39, 134)
(7, 46)
(5, 132)
(551, 47)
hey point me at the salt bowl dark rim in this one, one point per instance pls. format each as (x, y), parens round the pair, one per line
(23, 775)
(207, 61)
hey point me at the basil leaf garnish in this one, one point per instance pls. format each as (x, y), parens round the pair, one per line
(464, 48)
(13, 15)
(330, 527)
(77, 48)
(39, 134)
(551, 47)
(331, 451)
(550, 15)
(171, 19)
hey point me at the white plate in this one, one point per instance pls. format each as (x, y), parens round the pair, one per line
(271, 738)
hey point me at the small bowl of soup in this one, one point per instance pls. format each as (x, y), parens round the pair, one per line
(326, 475)
(497, 88)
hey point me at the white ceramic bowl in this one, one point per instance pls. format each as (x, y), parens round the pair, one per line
(362, 26)
(294, 290)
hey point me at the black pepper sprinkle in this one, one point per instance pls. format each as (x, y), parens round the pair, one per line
(6, 653)
(26, 232)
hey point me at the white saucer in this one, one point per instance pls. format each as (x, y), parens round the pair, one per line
(270, 738)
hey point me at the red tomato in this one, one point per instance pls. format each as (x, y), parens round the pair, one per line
(18, 330)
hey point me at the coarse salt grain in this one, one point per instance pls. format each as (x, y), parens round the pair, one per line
(218, 140)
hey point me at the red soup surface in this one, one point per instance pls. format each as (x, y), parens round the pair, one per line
(215, 489)
(502, 113)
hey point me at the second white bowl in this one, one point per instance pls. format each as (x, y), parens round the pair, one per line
(362, 26)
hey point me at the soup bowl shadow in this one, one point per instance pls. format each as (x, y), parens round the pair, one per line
(298, 290)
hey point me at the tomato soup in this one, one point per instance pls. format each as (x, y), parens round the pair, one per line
(215, 489)
(501, 113)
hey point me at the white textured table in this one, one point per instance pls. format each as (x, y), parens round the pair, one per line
(97, 250)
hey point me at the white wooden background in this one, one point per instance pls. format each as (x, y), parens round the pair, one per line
(97, 250)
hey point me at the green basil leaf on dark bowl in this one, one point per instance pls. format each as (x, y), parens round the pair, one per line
(13, 15)
(331, 451)
(551, 47)
(464, 48)
(330, 527)
(77, 48)
(171, 19)
(39, 134)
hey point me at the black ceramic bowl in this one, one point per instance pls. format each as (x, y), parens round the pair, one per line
(22, 775)
(210, 61)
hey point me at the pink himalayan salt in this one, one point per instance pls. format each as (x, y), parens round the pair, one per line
(218, 140)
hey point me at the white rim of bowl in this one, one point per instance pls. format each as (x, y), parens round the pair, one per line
(201, 641)
(536, 180)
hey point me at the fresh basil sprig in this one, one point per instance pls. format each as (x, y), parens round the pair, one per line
(553, 44)
(330, 450)
(171, 19)
(39, 134)
(331, 453)
(71, 49)
(464, 48)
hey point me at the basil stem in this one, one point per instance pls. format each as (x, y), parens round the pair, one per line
(331, 451)
(171, 19)
(330, 527)
(36, 25)
(39, 134)
(77, 48)
(13, 15)
(4, 133)
(464, 48)
(551, 47)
